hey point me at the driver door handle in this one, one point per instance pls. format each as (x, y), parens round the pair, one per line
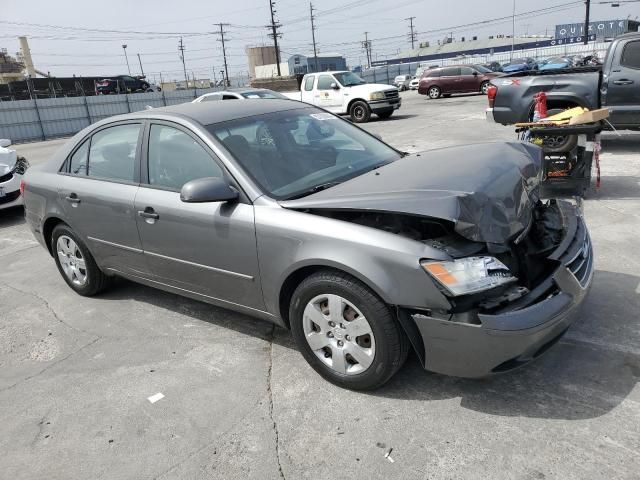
(73, 199)
(624, 81)
(149, 214)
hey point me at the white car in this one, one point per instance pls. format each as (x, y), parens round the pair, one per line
(240, 94)
(402, 82)
(12, 169)
(415, 82)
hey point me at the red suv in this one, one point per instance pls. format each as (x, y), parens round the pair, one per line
(455, 79)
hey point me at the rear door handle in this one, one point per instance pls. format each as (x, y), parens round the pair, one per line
(623, 82)
(73, 199)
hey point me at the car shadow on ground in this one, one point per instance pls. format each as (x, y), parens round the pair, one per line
(625, 143)
(375, 119)
(586, 375)
(11, 217)
(616, 188)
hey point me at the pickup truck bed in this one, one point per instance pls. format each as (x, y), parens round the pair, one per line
(615, 85)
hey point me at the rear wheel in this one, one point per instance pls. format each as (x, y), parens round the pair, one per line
(346, 333)
(484, 87)
(558, 143)
(360, 112)
(75, 263)
(434, 92)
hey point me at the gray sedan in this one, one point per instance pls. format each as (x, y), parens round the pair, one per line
(286, 212)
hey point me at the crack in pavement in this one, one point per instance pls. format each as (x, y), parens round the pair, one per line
(270, 395)
(48, 307)
(50, 366)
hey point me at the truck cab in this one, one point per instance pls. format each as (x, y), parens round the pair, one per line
(345, 93)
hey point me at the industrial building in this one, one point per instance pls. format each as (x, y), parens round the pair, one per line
(301, 64)
(260, 56)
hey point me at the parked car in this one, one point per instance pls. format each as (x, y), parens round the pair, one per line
(345, 93)
(402, 82)
(364, 251)
(519, 65)
(556, 63)
(239, 94)
(415, 82)
(122, 84)
(455, 79)
(12, 169)
(493, 66)
(614, 86)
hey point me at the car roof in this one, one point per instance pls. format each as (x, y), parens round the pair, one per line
(206, 114)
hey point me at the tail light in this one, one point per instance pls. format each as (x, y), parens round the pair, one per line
(492, 91)
(22, 185)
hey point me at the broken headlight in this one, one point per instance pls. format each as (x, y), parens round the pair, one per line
(469, 275)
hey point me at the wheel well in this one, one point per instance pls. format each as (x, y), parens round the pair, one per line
(47, 230)
(354, 101)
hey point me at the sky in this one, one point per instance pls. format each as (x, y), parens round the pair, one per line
(86, 37)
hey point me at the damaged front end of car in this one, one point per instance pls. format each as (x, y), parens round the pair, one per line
(516, 269)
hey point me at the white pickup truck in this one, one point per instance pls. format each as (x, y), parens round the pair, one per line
(346, 93)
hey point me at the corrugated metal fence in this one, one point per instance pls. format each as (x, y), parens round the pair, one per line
(44, 119)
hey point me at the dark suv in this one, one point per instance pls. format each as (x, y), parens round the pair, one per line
(122, 84)
(455, 79)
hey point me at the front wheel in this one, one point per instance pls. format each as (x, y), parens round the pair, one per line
(360, 112)
(345, 332)
(434, 92)
(75, 263)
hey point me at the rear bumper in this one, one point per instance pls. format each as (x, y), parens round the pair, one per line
(512, 337)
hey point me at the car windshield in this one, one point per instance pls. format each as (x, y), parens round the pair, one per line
(482, 69)
(262, 94)
(517, 61)
(294, 153)
(348, 79)
(557, 60)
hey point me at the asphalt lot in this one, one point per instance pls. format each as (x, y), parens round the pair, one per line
(240, 402)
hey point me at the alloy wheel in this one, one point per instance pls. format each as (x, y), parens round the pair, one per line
(339, 334)
(71, 260)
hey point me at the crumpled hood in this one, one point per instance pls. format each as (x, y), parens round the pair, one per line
(8, 159)
(487, 190)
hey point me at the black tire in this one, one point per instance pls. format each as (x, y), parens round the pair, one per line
(558, 143)
(360, 112)
(484, 86)
(385, 114)
(391, 342)
(434, 92)
(97, 281)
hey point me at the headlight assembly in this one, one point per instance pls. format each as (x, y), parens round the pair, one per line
(377, 96)
(469, 275)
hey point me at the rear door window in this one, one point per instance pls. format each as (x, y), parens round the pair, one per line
(112, 154)
(433, 73)
(451, 72)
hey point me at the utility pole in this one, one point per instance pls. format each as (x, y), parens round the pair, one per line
(313, 36)
(367, 47)
(513, 31)
(586, 21)
(224, 52)
(124, 47)
(412, 35)
(184, 67)
(140, 62)
(274, 33)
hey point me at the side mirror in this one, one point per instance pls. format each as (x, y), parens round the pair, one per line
(5, 142)
(475, 74)
(209, 189)
(335, 86)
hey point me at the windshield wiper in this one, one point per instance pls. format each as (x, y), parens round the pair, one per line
(316, 189)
